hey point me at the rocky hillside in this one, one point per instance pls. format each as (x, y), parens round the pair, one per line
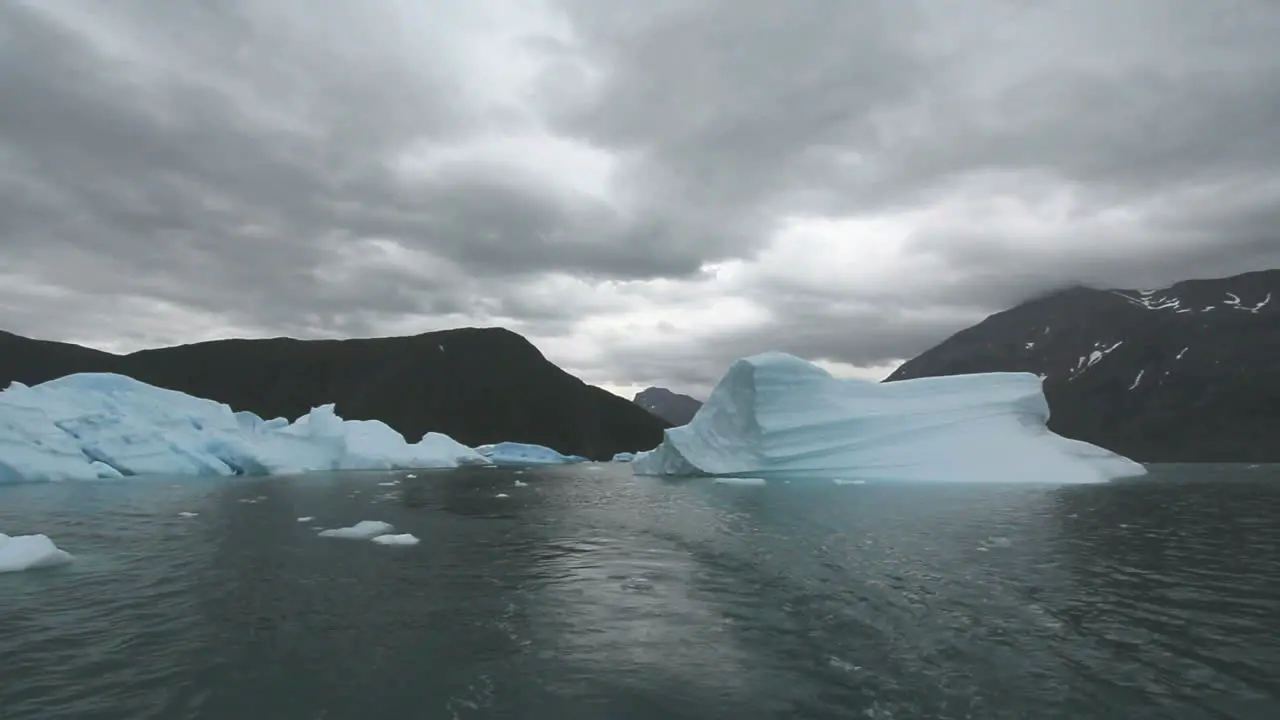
(477, 385)
(673, 407)
(1183, 374)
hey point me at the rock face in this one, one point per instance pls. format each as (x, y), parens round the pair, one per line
(1190, 373)
(673, 407)
(477, 385)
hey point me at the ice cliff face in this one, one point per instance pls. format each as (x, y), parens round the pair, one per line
(776, 415)
(101, 425)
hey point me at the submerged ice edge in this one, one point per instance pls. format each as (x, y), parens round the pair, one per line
(93, 426)
(778, 416)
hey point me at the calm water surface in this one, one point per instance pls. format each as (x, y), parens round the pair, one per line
(588, 593)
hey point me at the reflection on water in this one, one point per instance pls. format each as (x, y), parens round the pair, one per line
(590, 593)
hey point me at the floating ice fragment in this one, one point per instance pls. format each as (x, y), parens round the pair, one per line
(187, 514)
(30, 552)
(739, 481)
(502, 495)
(306, 519)
(842, 481)
(521, 484)
(403, 539)
(363, 530)
(514, 454)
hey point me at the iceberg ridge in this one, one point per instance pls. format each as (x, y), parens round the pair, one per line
(101, 425)
(776, 415)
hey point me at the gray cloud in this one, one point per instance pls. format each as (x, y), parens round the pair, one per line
(280, 167)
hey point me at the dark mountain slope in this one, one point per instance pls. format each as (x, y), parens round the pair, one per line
(476, 385)
(673, 407)
(31, 361)
(1189, 373)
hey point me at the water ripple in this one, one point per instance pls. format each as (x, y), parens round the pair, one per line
(602, 595)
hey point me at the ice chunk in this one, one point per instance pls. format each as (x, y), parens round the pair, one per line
(30, 552)
(624, 457)
(775, 415)
(514, 454)
(740, 481)
(363, 530)
(404, 539)
(306, 518)
(101, 425)
(188, 514)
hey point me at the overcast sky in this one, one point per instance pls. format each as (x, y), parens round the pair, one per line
(645, 190)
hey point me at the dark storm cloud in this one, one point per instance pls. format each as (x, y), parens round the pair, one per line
(239, 158)
(213, 154)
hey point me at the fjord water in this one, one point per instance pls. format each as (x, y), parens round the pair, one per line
(589, 593)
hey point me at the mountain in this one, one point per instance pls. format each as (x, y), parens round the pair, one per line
(1189, 373)
(478, 385)
(673, 407)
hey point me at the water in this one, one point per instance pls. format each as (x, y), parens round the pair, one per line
(592, 594)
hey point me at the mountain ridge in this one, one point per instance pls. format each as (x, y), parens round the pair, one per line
(673, 407)
(1177, 374)
(478, 385)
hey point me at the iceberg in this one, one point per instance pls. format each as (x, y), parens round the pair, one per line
(514, 454)
(624, 457)
(363, 530)
(402, 539)
(92, 426)
(30, 552)
(777, 416)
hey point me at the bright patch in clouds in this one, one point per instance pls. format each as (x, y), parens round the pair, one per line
(646, 192)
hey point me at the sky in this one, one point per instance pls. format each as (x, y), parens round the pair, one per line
(644, 190)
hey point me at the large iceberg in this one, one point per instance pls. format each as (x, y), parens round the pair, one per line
(776, 415)
(102, 425)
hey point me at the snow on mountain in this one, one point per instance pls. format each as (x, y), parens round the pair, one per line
(673, 407)
(777, 416)
(1184, 373)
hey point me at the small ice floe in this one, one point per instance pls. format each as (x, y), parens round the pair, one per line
(403, 539)
(842, 481)
(502, 495)
(519, 472)
(188, 514)
(389, 484)
(739, 481)
(411, 476)
(363, 530)
(306, 519)
(594, 467)
(996, 541)
(30, 552)
(521, 484)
